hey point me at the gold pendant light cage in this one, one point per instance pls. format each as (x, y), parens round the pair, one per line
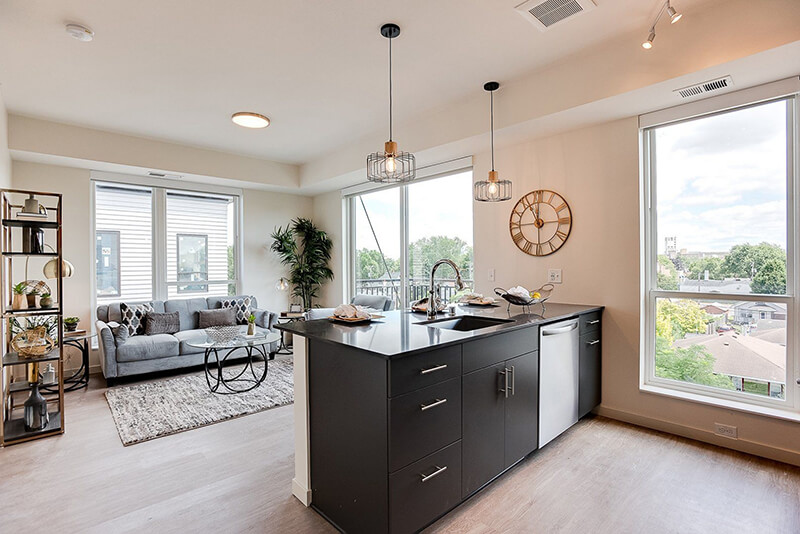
(493, 189)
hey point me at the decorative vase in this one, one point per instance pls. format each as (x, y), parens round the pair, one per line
(46, 302)
(20, 302)
(251, 329)
(36, 416)
(32, 240)
(31, 298)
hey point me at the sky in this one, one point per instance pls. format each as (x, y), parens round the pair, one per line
(721, 180)
(441, 206)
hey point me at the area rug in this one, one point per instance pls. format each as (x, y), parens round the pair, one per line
(148, 411)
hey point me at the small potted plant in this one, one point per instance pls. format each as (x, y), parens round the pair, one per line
(251, 325)
(71, 323)
(20, 301)
(46, 300)
(31, 296)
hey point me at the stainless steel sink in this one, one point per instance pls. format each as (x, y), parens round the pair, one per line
(465, 323)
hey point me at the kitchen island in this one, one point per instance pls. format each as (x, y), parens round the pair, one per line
(399, 421)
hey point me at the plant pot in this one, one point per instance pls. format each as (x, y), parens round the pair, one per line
(70, 327)
(46, 302)
(20, 302)
(31, 300)
(251, 329)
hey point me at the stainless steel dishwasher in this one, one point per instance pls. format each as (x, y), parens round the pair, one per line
(558, 379)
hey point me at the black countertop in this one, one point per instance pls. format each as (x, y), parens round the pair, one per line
(399, 334)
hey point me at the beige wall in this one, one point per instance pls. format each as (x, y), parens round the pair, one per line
(597, 170)
(5, 156)
(262, 212)
(329, 215)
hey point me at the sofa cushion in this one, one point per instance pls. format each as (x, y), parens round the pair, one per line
(134, 316)
(187, 310)
(139, 348)
(241, 306)
(199, 336)
(218, 317)
(162, 323)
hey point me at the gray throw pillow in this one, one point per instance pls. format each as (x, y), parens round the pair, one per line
(121, 334)
(218, 317)
(162, 323)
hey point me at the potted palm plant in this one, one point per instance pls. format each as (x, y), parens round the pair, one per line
(306, 250)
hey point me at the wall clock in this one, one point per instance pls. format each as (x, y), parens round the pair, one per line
(540, 222)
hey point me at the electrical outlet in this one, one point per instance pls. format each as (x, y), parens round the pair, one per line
(554, 276)
(727, 431)
(491, 275)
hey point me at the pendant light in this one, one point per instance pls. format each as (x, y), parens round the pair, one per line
(492, 190)
(389, 165)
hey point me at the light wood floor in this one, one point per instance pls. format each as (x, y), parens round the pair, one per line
(601, 476)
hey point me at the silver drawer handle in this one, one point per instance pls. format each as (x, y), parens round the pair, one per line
(595, 342)
(439, 471)
(433, 369)
(434, 404)
(594, 322)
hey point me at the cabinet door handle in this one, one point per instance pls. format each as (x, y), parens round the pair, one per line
(433, 369)
(434, 404)
(593, 322)
(505, 389)
(595, 342)
(439, 471)
(513, 381)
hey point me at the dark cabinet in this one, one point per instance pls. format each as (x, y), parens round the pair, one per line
(589, 354)
(522, 407)
(500, 418)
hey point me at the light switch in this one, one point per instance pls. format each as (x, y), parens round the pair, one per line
(554, 276)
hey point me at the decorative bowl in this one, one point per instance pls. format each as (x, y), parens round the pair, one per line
(221, 334)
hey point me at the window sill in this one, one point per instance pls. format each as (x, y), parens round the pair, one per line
(775, 413)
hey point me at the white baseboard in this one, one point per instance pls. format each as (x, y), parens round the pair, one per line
(706, 436)
(303, 494)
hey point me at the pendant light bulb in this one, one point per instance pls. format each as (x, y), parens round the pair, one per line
(391, 164)
(493, 188)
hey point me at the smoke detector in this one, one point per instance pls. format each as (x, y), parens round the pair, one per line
(79, 32)
(709, 86)
(545, 13)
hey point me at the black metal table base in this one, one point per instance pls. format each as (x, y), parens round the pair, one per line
(221, 384)
(80, 378)
(283, 348)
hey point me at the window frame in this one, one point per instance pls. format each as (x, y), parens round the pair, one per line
(160, 189)
(350, 197)
(119, 266)
(785, 90)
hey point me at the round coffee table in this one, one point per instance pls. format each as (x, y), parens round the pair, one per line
(235, 381)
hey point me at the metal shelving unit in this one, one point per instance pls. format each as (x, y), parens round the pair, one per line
(16, 369)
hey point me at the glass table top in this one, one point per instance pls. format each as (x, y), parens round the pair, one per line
(240, 341)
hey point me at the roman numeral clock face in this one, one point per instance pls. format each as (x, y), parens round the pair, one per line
(540, 222)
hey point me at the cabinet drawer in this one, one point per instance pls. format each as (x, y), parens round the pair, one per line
(495, 349)
(423, 421)
(589, 322)
(425, 490)
(422, 370)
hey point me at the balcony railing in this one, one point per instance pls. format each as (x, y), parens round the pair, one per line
(416, 288)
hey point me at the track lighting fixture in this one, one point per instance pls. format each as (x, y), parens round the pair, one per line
(674, 17)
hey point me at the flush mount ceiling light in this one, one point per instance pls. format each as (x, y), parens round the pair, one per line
(492, 190)
(248, 119)
(674, 17)
(81, 33)
(389, 165)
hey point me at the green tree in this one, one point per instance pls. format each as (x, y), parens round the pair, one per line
(744, 261)
(423, 253)
(667, 274)
(691, 364)
(770, 278)
(370, 265)
(697, 269)
(675, 319)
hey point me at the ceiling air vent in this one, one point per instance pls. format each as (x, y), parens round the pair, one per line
(545, 13)
(705, 87)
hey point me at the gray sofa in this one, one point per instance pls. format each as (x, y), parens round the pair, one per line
(146, 354)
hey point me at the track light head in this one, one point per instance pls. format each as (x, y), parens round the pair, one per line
(648, 44)
(674, 16)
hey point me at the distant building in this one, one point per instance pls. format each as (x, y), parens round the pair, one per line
(687, 255)
(671, 247)
(752, 312)
(736, 286)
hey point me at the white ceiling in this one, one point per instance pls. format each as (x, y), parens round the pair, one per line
(177, 69)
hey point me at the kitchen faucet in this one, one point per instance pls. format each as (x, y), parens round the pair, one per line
(432, 297)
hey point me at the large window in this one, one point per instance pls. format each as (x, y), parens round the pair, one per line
(159, 243)
(720, 295)
(398, 233)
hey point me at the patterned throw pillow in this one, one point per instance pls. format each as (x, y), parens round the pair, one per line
(241, 306)
(134, 316)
